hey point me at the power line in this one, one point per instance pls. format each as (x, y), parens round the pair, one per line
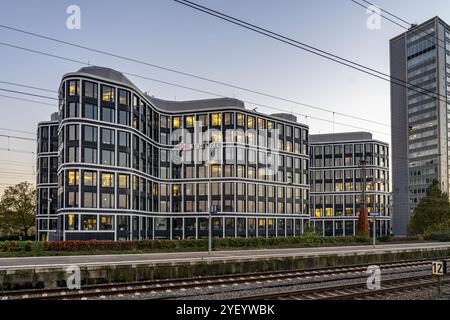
(20, 131)
(27, 86)
(389, 13)
(28, 94)
(394, 22)
(311, 49)
(181, 73)
(16, 137)
(16, 150)
(199, 90)
(27, 100)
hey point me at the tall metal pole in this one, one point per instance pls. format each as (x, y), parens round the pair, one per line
(209, 211)
(374, 230)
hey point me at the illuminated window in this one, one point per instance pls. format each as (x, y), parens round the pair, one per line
(72, 177)
(190, 121)
(240, 119)
(216, 119)
(318, 212)
(124, 181)
(73, 88)
(107, 180)
(250, 122)
(106, 222)
(124, 97)
(108, 93)
(216, 170)
(176, 190)
(90, 178)
(71, 222)
(175, 122)
(228, 118)
(329, 212)
(261, 123)
(89, 222)
(270, 125)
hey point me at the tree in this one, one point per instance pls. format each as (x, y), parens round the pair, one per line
(17, 209)
(432, 213)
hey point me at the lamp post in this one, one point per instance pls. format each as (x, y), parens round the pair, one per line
(209, 165)
(49, 202)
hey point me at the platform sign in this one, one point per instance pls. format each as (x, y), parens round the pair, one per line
(439, 268)
(374, 214)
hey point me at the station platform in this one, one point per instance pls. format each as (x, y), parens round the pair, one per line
(192, 257)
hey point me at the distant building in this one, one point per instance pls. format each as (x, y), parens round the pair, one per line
(336, 182)
(419, 115)
(117, 179)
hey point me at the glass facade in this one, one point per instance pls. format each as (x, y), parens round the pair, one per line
(336, 182)
(126, 170)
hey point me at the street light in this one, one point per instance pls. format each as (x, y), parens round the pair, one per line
(209, 164)
(49, 202)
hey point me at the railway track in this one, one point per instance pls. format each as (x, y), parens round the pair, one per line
(351, 291)
(173, 285)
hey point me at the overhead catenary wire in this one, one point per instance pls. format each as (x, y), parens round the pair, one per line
(184, 74)
(197, 90)
(313, 50)
(27, 100)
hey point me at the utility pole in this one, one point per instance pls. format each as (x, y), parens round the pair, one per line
(363, 222)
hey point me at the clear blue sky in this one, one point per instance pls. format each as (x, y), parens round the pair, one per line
(169, 34)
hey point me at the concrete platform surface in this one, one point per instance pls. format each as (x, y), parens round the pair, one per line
(118, 259)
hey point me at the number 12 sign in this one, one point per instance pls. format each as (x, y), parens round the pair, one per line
(439, 268)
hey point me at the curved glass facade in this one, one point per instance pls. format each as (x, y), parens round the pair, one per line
(131, 166)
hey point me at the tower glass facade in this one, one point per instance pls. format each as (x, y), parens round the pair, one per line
(419, 115)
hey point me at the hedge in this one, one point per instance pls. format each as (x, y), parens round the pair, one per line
(438, 236)
(172, 245)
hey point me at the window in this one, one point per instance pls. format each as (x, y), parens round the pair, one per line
(107, 157)
(73, 154)
(124, 139)
(203, 120)
(107, 200)
(216, 119)
(72, 110)
(72, 199)
(250, 122)
(73, 132)
(124, 181)
(89, 199)
(124, 159)
(175, 122)
(90, 178)
(124, 97)
(123, 201)
(107, 136)
(228, 118)
(89, 134)
(89, 155)
(124, 117)
(107, 114)
(90, 111)
(71, 222)
(90, 89)
(72, 178)
(73, 88)
(240, 119)
(107, 180)
(190, 120)
(106, 222)
(89, 222)
(108, 93)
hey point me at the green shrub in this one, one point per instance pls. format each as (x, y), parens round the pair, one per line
(438, 236)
